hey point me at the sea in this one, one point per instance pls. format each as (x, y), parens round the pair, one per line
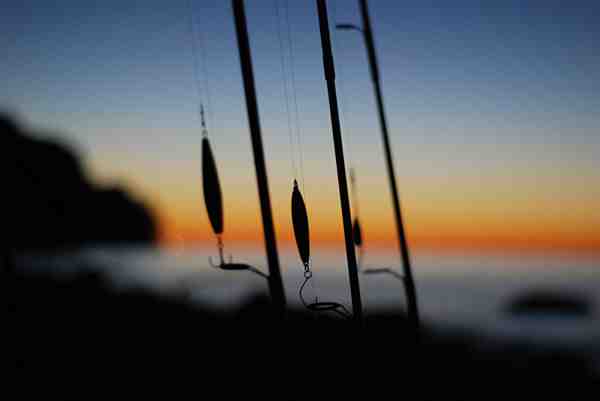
(456, 291)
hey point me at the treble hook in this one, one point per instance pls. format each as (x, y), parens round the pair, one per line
(317, 306)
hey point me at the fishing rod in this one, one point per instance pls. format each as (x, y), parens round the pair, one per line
(329, 73)
(274, 278)
(407, 277)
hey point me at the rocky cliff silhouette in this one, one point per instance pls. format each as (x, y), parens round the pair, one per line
(49, 202)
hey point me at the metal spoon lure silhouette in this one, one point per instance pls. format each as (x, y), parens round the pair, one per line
(358, 240)
(356, 230)
(214, 203)
(302, 235)
(356, 233)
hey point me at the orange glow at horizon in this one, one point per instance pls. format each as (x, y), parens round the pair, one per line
(494, 210)
(533, 242)
(483, 236)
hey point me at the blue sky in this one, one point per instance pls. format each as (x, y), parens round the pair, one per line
(472, 92)
(72, 64)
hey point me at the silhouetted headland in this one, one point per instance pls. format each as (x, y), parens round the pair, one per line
(50, 202)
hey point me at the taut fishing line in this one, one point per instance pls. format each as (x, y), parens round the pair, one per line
(200, 63)
(196, 65)
(294, 96)
(285, 92)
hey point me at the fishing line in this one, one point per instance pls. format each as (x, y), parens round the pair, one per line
(196, 61)
(201, 71)
(294, 95)
(340, 67)
(285, 92)
(204, 58)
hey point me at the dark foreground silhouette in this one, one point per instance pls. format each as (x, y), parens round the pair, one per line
(549, 303)
(49, 202)
(66, 337)
(76, 338)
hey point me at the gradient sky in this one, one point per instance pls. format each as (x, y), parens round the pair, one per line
(494, 113)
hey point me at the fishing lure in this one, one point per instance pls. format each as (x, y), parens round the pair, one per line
(301, 229)
(302, 236)
(358, 240)
(212, 189)
(213, 201)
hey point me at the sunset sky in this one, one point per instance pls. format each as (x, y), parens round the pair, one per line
(494, 113)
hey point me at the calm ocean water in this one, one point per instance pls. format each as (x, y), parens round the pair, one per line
(455, 291)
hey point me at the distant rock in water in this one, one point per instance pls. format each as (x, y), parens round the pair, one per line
(549, 303)
(50, 202)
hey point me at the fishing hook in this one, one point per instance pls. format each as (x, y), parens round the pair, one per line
(233, 266)
(222, 263)
(321, 306)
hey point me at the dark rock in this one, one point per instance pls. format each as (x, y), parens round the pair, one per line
(537, 303)
(50, 202)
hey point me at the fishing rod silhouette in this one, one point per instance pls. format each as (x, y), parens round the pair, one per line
(214, 205)
(358, 239)
(408, 279)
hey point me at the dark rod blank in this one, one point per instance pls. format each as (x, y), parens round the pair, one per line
(411, 293)
(339, 159)
(275, 281)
